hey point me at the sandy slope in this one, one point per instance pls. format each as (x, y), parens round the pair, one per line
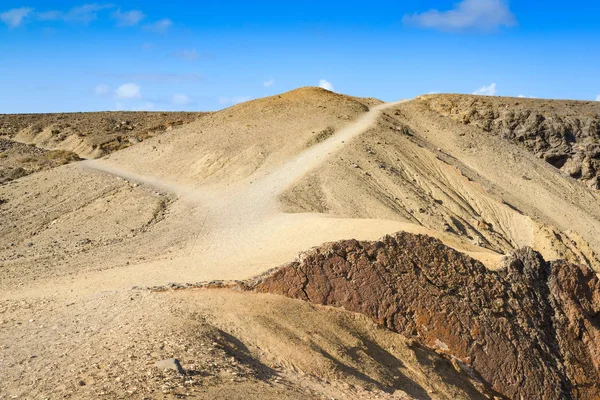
(213, 231)
(234, 345)
(419, 167)
(535, 188)
(244, 230)
(231, 195)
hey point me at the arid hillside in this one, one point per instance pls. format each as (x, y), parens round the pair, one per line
(33, 142)
(250, 244)
(566, 134)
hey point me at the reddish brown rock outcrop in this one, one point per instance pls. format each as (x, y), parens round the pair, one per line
(530, 331)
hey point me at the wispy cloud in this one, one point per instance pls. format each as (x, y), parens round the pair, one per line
(155, 77)
(49, 15)
(483, 15)
(85, 14)
(269, 83)
(82, 14)
(101, 90)
(326, 85)
(161, 26)
(181, 99)
(128, 18)
(15, 16)
(598, 97)
(129, 91)
(486, 90)
(188, 55)
(232, 100)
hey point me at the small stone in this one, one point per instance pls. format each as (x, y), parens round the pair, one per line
(171, 363)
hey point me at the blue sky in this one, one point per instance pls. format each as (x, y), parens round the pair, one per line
(180, 55)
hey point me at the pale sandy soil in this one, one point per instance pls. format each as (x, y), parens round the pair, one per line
(230, 196)
(233, 345)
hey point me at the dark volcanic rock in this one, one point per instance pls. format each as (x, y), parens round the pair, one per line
(531, 330)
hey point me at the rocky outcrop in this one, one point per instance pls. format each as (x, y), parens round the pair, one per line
(18, 159)
(564, 133)
(90, 135)
(530, 330)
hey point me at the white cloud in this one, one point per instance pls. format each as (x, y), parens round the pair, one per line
(129, 91)
(83, 14)
(233, 100)
(128, 18)
(49, 15)
(598, 97)
(161, 26)
(180, 99)
(326, 85)
(486, 90)
(101, 89)
(269, 83)
(485, 15)
(15, 17)
(522, 96)
(188, 55)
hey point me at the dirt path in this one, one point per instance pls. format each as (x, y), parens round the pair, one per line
(241, 230)
(243, 224)
(267, 187)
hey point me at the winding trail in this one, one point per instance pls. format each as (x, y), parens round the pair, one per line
(254, 200)
(270, 184)
(240, 230)
(242, 227)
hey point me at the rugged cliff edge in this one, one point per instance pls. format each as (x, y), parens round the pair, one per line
(563, 133)
(530, 330)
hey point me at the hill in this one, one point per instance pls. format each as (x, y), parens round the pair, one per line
(34, 142)
(90, 249)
